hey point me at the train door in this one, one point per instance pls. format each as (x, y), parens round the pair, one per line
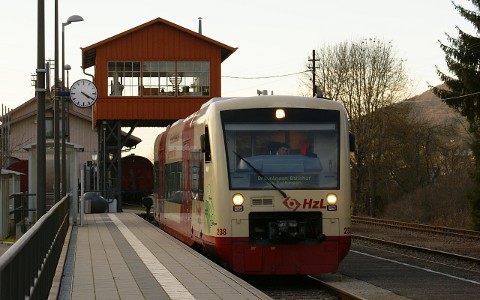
(210, 187)
(196, 164)
(158, 205)
(186, 209)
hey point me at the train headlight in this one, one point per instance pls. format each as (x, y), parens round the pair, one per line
(332, 202)
(332, 199)
(238, 199)
(280, 113)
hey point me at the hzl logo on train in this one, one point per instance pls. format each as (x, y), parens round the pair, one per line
(294, 204)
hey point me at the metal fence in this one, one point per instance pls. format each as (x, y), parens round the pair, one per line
(28, 267)
(9, 184)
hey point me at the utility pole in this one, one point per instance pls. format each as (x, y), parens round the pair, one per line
(40, 93)
(313, 60)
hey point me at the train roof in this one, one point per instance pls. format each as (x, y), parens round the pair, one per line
(280, 101)
(226, 103)
(213, 100)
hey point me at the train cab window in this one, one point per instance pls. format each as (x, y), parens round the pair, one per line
(311, 163)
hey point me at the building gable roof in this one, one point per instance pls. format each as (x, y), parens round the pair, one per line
(89, 53)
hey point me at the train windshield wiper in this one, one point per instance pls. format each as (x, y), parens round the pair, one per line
(261, 175)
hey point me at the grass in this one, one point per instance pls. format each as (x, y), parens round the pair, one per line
(8, 240)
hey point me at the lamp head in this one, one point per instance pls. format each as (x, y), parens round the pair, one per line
(94, 155)
(74, 18)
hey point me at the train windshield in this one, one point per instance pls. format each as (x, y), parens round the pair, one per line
(301, 153)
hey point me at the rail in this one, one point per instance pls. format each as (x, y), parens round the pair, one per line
(20, 209)
(28, 267)
(463, 233)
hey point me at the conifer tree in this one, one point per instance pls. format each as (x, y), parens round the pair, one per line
(462, 90)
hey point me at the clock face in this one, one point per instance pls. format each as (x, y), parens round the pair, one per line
(83, 93)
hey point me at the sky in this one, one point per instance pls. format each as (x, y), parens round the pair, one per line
(274, 38)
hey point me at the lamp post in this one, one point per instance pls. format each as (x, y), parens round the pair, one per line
(71, 19)
(94, 162)
(67, 68)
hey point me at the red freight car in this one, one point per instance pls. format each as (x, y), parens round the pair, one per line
(137, 178)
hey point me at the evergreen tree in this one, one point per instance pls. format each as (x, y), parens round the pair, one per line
(462, 90)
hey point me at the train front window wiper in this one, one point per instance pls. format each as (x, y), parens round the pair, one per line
(261, 175)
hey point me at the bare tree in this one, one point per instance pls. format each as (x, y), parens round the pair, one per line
(366, 76)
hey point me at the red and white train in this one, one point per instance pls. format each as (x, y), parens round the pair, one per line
(221, 184)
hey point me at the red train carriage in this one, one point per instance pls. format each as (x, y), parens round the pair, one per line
(137, 178)
(223, 185)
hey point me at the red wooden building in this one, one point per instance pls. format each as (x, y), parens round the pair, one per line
(150, 75)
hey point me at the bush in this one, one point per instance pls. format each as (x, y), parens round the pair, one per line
(443, 203)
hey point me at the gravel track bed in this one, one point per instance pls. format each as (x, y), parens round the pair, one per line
(462, 246)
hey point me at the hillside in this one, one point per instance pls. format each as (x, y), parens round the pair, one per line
(427, 106)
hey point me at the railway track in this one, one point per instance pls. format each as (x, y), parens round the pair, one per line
(458, 246)
(459, 257)
(462, 233)
(289, 287)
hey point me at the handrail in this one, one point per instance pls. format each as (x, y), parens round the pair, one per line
(28, 267)
(20, 211)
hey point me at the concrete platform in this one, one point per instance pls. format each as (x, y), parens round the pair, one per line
(352, 288)
(122, 256)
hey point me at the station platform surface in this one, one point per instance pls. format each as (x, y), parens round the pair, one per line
(122, 256)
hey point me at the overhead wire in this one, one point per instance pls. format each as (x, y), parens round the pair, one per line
(443, 99)
(266, 77)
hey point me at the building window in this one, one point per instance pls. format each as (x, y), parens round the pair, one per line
(193, 78)
(124, 78)
(49, 130)
(159, 78)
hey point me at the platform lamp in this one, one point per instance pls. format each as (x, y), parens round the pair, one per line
(71, 19)
(94, 162)
(67, 107)
(67, 68)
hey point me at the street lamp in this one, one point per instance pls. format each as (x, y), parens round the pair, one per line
(67, 68)
(71, 19)
(94, 162)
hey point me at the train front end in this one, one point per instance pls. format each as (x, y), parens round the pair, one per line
(285, 211)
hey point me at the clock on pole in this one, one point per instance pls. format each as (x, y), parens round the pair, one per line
(83, 93)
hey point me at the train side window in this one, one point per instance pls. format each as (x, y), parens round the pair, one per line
(351, 141)
(156, 176)
(173, 178)
(196, 175)
(205, 144)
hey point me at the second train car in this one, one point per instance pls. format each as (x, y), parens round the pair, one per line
(222, 184)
